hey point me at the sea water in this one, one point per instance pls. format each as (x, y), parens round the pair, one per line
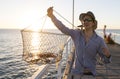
(115, 34)
(12, 66)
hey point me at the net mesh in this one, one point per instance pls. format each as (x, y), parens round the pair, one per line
(42, 47)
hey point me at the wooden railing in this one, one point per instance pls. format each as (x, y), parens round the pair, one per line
(43, 69)
(110, 71)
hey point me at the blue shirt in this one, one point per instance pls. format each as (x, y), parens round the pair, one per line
(85, 53)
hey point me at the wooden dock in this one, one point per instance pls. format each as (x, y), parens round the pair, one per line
(112, 70)
(109, 71)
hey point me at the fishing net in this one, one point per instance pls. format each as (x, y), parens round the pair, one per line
(45, 45)
(42, 47)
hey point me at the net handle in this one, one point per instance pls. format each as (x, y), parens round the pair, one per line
(45, 16)
(44, 23)
(46, 19)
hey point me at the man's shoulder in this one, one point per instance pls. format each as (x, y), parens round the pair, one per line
(99, 39)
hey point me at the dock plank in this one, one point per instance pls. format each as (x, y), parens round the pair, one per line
(112, 70)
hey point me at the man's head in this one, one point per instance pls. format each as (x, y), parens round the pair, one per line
(91, 18)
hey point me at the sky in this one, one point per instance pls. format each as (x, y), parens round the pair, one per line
(19, 14)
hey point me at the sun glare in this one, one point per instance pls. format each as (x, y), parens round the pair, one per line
(35, 40)
(37, 25)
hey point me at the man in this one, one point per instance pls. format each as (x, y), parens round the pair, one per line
(87, 45)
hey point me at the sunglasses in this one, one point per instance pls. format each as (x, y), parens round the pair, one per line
(88, 20)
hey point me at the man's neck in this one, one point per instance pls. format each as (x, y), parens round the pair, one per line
(88, 33)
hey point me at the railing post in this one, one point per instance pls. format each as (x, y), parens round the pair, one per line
(59, 74)
(59, 71)
(67, 50)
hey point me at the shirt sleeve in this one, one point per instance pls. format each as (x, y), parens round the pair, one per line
(62, 27)
(105, 59)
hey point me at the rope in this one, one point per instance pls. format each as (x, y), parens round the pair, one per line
(63, 17)
(45, 16)
(44, 23)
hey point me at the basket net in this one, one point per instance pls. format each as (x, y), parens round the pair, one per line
(42, 47)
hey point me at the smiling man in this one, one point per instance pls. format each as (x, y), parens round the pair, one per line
(87, 45)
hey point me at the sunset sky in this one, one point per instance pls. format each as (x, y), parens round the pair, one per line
(18, 14)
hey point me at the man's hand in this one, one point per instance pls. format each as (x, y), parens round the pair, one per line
(50, 11)
(106, 52)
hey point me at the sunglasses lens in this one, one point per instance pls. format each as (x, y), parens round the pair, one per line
(88, 20)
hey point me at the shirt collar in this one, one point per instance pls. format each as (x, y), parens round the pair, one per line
(94, 34)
